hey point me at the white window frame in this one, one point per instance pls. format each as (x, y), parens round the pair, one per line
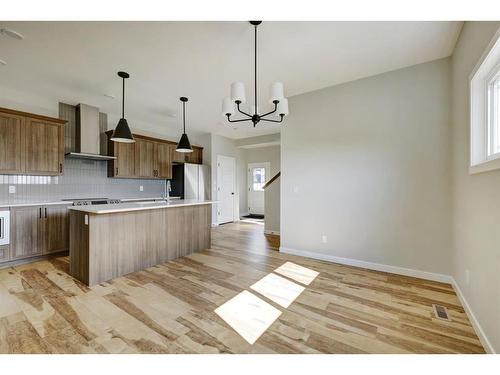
(493, 88)
(485, 72)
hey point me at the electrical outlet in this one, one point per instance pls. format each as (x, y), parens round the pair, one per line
(141, 188)
(324, 239)
(12, 189)
(467, 277)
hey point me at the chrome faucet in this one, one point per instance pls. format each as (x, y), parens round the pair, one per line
(168, 189)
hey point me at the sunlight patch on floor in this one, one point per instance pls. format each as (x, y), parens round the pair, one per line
(298, 273)
(248, 315)
(278, 289)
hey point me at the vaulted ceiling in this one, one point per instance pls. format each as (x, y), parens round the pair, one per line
(77, 62)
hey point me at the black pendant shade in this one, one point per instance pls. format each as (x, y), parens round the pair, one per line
(184, 145)
(122, 131)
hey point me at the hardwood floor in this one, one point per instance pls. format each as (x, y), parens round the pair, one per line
(170, 308)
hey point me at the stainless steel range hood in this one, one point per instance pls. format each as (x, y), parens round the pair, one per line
(87, 139)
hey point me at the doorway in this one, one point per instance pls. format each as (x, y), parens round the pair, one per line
(226, 188)
(258, 175)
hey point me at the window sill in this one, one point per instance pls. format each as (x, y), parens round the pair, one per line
(486, 166)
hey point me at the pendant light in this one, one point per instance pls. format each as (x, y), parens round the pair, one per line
(184, 145)
(238, 97)
(122, 132)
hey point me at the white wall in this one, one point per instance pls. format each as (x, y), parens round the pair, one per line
(367, 164)
(270, 154)
(272, 207)
(225, 146)
(476, 198)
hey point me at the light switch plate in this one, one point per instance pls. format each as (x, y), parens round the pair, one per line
(12, 189)
(141, 188)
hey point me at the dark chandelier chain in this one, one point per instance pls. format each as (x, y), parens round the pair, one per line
(123, 97)
(184, 116)
(255, 118)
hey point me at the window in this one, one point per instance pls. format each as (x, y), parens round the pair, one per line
(259, 178)
(493, 116)
(485, 110)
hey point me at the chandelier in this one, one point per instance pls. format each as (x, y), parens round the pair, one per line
(238, 97)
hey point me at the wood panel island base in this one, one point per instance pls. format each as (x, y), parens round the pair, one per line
(109, 241)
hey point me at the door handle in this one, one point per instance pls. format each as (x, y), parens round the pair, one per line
(45, 212)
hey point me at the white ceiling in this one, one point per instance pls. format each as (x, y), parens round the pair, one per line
(77, 62)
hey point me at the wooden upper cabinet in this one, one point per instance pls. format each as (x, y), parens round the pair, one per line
(162, 160)
(194, 157)
(124, 164)
(44, 150)
(30, 144)
(144, 158)
(11, 143)
(179, 157)
(147, 157)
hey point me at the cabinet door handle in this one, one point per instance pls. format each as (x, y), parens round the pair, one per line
(116, 171)
(40, 211)
(45, 212)
(60, 167)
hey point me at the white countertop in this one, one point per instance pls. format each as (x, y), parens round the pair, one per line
(28, 204)
(24, 203)
(138, 206)
(145, 199)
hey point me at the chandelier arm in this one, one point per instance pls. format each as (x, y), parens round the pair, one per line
(278, 121)
(242, 112)
(269, 113)
(240, 120)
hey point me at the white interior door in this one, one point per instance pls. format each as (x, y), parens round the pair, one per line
(226, 188)
(258, 175)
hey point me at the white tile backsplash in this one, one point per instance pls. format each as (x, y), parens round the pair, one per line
(81, 179)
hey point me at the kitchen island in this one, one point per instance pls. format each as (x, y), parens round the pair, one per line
(111, 240)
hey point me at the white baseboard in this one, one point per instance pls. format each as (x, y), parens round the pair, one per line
(275, 232)
(475, 323)
(405, 272)
(371, 266)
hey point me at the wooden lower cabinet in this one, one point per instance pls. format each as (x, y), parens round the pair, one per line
(56, 229)
(4, 253)
(38, 230)
(26, 232)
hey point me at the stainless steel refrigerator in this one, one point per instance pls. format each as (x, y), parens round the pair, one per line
(190, 181)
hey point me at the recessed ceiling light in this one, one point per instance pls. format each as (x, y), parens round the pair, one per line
(3, 62)
(111, 96)
(12, 33)
(173, 115)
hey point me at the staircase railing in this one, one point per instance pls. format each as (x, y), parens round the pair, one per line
(272, 180)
